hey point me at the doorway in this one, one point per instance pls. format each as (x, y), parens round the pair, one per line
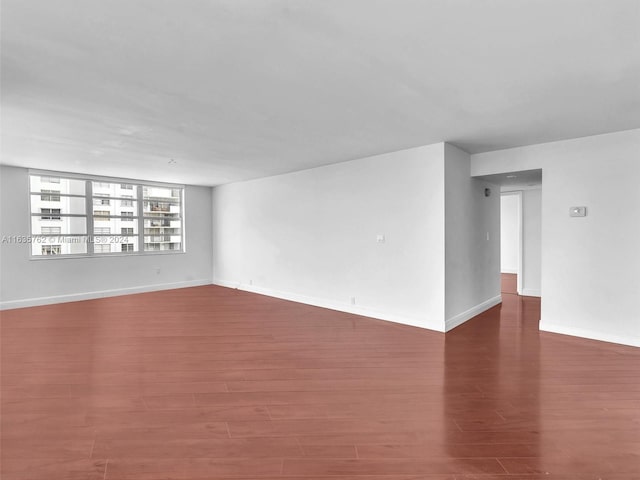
(511, 242)
(520, 230)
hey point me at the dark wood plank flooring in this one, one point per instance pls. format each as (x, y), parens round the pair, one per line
(509, 283)
(212, 383)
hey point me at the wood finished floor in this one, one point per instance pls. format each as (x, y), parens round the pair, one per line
(509, 283)
(212, 383)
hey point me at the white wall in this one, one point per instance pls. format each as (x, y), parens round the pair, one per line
(472, 243)
(531, 243)
(509, 232)
(26, 282)
(311, 236)
(590, 282)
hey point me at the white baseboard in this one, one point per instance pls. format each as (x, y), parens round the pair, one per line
(334, 305)
(76, 297)
(227, 283)
(459, 319)
(530, 292)
(590, 334)
(509, 270)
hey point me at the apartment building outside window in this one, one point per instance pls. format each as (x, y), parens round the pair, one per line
(50, 195)
(50, 213)
(51, 249)
(46, 179)
(86, 216)
(101, 199)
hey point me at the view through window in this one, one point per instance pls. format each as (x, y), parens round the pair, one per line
(90, 216)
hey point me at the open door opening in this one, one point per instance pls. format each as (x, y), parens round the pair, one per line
(511, 242)
(520, 231)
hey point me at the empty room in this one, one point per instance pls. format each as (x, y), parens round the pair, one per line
(320, 240)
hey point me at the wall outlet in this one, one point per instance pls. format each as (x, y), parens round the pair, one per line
(380, 238)
(353, 300)
(250, 281)
(578, 212)
(158, 270)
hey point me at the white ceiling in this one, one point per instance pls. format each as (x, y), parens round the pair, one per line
(239, 89)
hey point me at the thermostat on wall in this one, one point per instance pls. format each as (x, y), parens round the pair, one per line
(578, 212)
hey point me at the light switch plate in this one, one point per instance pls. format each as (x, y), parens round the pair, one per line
(578, 212)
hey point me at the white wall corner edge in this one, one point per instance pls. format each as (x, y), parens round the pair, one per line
(589, 334)
(76, 297)
(459, 319)
(333, 305)
(531, 292)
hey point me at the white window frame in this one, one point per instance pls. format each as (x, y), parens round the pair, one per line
(137, 216)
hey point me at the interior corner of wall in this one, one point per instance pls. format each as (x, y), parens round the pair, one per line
(462, 317)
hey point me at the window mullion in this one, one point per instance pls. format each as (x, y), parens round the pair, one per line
(140, 219)
(183, 246)
(89, 212)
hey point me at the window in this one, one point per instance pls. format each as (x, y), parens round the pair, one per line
(162, 215)
(101, 215)
(89, 210)
(102, 248)
(50, 213)
(158, 206)
(100, 200)
(47, 179)
(50, 195)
